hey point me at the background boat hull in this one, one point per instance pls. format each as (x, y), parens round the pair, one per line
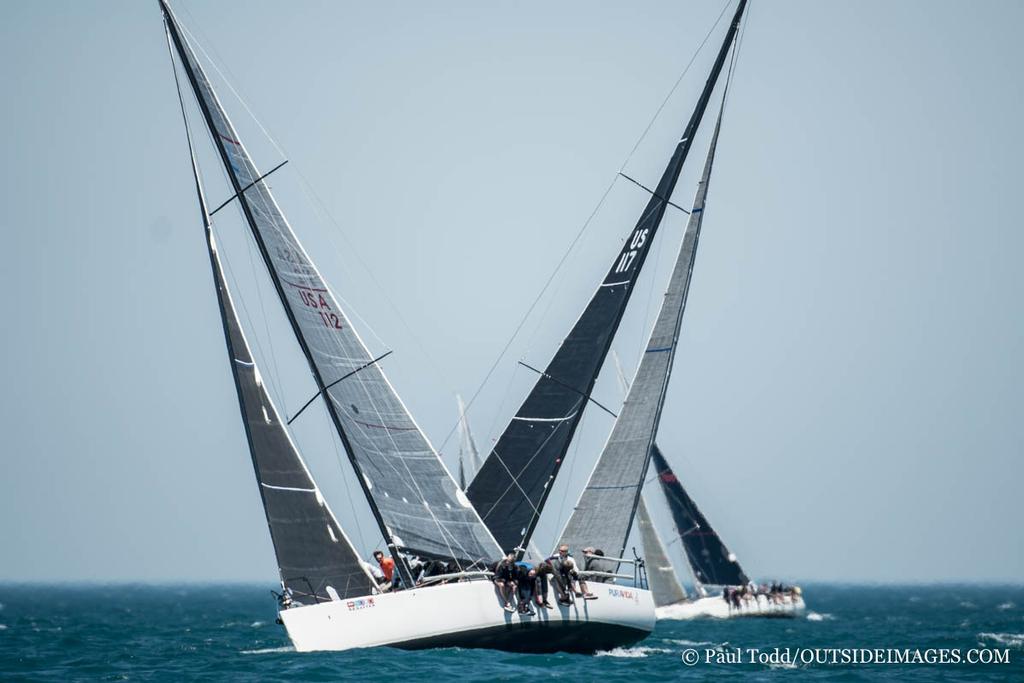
(715, 607)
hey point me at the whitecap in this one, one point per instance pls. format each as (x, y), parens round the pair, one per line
(967, 604)
(269, 650)
(639, 651)
(1006, 605)
(814, 616)
(688, 643)
(1008, 639)
(3, 627)
(256, 624)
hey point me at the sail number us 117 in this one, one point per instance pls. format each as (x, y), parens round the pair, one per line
(635, 244)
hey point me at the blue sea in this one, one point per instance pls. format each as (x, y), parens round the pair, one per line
(228, 633)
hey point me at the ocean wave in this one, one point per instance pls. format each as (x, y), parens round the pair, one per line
(269, 650)
(814, 616)
(1008, 639)
(688, 643)
(633, 652)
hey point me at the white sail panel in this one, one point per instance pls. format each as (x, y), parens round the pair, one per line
(661, 576)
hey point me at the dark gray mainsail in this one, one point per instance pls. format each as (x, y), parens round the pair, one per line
(604, 513)
(711, 562)
(418, 506)
(314, 555)
(513, 485)
(661, 576)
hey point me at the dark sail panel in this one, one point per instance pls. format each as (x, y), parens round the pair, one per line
(511, 488)
(313, 553)
(711, 561)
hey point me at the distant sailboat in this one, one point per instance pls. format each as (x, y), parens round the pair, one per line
(329, 600)
(469, 456)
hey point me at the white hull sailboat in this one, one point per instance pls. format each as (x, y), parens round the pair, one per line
(440, 545)
(470, 615)
(716, 607)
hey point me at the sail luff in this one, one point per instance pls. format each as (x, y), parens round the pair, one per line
(661, 576)
(513, 485)
(406, 485)
(605, 510)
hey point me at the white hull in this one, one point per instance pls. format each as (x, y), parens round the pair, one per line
(470, 614)
(716, 608)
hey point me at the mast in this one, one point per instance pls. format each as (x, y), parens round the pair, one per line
(314, 556)
(404, 482)
(604, 513)
(512, 488)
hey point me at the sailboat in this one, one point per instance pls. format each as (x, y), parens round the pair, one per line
(329, 601)
(604, 513)
(513, 486)
(469, 456)
(709, 562)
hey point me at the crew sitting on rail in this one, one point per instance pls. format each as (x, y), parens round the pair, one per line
(540, 593)
(433, 568)
(505, 573)
(568, 578)
(526, 580)
(595, 564)
(387, 568)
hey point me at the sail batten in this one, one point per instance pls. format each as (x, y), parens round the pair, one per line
(413, 497)
(512, 487)
(604, 513)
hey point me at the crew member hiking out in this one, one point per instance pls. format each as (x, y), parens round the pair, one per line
(505, 573)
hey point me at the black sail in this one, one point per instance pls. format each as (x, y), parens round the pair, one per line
(710, 560)
(511, 488)
(313, 553)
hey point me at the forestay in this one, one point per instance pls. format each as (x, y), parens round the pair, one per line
(661, 576)
(710, 560)
(604, 514)
(511, 488)
(416, 502)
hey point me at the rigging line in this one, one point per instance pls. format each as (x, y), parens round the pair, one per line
(242, 191)
(563, 384)
(311, 194)
(675, 86)
(279, 385)
(409, 479)
(188, 134)
(653, 193)
(533, 305)
(343, 377)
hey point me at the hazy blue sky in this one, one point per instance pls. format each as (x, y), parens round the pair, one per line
(847, 399)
